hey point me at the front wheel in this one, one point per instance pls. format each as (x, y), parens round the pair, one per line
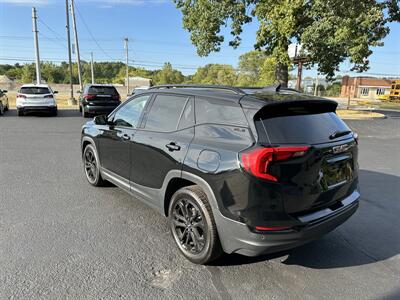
(192, 225)
(20, 113)
(92, 166)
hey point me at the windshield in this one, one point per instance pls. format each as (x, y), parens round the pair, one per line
(33, 90)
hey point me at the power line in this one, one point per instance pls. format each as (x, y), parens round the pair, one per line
(56, 35)
(90, 33)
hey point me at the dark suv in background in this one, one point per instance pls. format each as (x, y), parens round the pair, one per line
(247, 171)
(98, 99)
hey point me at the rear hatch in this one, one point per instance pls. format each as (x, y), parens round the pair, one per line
(327, 171)
(103, 95)
(35, 95)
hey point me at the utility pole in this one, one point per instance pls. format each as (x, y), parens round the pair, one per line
(36, 42)
(127, 65)
(71, 100)
(91, 66)
(78, 57)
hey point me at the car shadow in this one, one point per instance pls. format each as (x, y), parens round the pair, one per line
(371, 235)
(62, 113)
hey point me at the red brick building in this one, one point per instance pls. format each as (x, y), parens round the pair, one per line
(365, 87)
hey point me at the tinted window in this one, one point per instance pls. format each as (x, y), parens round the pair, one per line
(223, 112)
(165, 113)
(129, 114)
(102, 90)
(34, 90)
(303, 129)
(187, 119)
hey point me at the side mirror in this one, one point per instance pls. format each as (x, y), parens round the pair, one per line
(55, 92)
(4, 91)
(101, 120)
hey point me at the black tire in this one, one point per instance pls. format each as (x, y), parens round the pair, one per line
(1, 109)
(20, 112)
(6, 108)
(91, 166)
(201, 243)
(54, 113)
(80, 108)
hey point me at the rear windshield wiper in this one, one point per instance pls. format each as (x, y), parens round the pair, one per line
(337, 134)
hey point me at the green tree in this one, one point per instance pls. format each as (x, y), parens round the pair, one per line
(215, 74)
(330, 31)
(168, 75)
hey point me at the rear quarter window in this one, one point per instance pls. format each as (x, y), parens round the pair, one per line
(219, 111)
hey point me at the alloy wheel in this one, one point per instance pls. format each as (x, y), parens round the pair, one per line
(90, 165)
(189, 226)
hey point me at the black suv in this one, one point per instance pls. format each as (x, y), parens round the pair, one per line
(98, 99)
(247, 171)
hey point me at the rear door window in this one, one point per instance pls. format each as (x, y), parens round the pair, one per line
(34, 90)
(303, 129)
(165, 113)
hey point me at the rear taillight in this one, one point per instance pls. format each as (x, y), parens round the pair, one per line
(116, 97)
(21, 96)
(257, 161)
(89, 97)
(48, 96)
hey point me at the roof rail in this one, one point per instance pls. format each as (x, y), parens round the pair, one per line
(200, 86)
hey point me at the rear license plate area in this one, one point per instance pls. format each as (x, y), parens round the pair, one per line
(337, 171)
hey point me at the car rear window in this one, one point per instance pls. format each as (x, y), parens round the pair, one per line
(34, 90)
(103, 90)
(302, 129)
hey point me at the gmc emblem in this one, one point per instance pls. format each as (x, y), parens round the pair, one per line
(340, 149)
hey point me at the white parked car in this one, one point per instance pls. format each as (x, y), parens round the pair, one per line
(36, 98)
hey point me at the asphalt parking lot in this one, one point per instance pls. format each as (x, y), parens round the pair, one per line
(62, 238)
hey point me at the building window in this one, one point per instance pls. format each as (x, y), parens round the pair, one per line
(364, 91)
(380, 91)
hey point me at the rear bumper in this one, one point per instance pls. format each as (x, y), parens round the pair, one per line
(237, 238)
(99, 109)
(37, 108)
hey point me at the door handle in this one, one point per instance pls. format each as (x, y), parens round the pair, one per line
(173, 147)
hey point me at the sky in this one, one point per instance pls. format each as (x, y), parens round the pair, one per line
(154, 29)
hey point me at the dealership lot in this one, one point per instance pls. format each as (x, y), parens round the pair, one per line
(62, 238)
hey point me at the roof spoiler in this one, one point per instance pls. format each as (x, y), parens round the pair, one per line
(296, 107)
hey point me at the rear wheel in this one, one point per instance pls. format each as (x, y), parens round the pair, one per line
(1, 109)
(80, 108)
(91, 166)
(192, 225)
(20, 112)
